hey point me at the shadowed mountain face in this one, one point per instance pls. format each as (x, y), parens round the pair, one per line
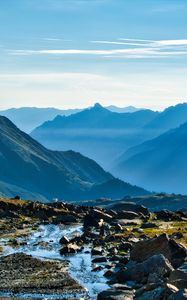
(29, 168)
(96, 132)
(158, 164)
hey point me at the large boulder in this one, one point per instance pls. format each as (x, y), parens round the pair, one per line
(179, 277)
(116, 294)
(130, 206)
(156, 294)
(157, 264)
(180, 295)
(65, 219)
(96, 218)
(129, 215)
(167, 215)
(173, 251)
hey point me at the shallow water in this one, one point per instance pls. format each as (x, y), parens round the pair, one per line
(80, 264)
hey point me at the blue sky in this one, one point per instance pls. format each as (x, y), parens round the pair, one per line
(72, 53)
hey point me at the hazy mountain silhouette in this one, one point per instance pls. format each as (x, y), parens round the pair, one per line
(28, 118)
(29, 168)
(170, 118)
(158, 164)
(95, 132)
(127, 109)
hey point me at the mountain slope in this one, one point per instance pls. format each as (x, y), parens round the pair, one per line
(158, 164)
(96, 132)
(170, 118)
(66, 175)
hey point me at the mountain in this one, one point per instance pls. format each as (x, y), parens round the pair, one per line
(127, 109)
(28, 168)
(170, 118)
(158, 164)
(95, 132)
(28, 118)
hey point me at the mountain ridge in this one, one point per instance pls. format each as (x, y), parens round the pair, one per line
(158, 164)
(52, 174)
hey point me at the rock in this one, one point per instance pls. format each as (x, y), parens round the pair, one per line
(90, 221)
(154, 278)
(149, 225)
(167, 215)
(97, 268)
(118, 227)
(170, 289)
(180, 295)
(133, 207)
(65, 219)
(125, 246)
(157, 264)
(99, 259)
(96, 251)
(179, 277)
(173, 251)
(156, 294)
(64, 240)
(70, 249)
(116, 294)
(129, 215)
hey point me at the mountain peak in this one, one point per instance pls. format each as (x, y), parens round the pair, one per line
(99, 108)
(98, 105)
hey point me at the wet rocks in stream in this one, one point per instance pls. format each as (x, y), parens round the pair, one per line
(142, 255)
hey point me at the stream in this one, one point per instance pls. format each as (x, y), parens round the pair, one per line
(80, 264)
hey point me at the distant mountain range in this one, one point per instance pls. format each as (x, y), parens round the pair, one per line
(170, 118)
(159, 164)
(32, 171)
(127, 109)
(28, 118)
(95, 132)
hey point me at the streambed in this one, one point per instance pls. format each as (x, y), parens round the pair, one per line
(45, 244)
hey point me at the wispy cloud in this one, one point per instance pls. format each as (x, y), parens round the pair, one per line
(131, 48)
(56, 40)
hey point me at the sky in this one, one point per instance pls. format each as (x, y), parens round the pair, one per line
(73, 53)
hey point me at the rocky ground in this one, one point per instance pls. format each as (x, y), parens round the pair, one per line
(143, 254)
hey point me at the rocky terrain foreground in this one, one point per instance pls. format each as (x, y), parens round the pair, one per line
(142, 255)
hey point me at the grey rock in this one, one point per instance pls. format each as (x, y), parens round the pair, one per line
(157, 264)
(173, 251)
